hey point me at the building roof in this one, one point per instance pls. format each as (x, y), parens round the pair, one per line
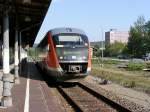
(28, 14)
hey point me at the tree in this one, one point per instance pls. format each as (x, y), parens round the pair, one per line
(136, 42)
(114, 49)
(147, 41)
(147, 28)
(96, 51)
(139, 25)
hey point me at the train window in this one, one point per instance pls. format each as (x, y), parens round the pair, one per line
(70, 40)
(67, 40)
(47, 48)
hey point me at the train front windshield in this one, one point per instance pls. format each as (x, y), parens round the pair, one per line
(71, 47)
(70, 40)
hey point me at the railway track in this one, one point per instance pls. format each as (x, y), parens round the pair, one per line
(95, 99)
(84, 99)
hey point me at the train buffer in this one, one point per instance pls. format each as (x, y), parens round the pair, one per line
(32, 94)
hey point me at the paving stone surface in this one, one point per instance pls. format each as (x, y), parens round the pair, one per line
(41, 99)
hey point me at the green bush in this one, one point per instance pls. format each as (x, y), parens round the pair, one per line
(132, 66)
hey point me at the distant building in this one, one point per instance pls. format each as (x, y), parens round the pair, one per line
(113, 36)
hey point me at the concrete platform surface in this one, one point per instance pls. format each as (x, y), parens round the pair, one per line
(32, 94)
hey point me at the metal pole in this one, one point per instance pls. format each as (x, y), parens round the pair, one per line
(6, 99)
(102, 47)
(20, 47)
(16, 79)
(20, 69)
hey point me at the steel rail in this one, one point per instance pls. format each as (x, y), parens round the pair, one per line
(69, 100)
(108, 101)
(99, 96)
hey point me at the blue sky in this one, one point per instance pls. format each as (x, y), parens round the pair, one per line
(94, 16)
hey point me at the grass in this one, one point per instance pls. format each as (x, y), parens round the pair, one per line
(108, 61)
(132, 66)
(124, 78)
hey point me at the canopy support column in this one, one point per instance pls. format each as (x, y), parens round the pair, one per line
(16, 79)
(7, 99)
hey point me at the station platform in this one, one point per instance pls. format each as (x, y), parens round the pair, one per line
(32, 94)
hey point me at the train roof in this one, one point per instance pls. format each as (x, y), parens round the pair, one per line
(66, 30)
(62, 30)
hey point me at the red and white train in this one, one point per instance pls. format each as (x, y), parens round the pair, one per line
(65, 52)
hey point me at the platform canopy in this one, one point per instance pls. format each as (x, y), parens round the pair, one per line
(24, 15)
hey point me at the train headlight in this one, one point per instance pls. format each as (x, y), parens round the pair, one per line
(84, 57)
(60, 57)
